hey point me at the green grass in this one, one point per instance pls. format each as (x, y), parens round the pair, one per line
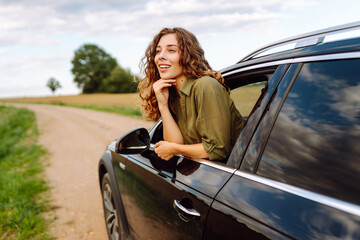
(127, 111)
(122, 110)
(24, 194)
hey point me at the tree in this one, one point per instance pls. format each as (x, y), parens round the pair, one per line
(53, 84)
(119, 81)
(91, 65)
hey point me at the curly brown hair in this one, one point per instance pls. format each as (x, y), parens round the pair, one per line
(192, 59)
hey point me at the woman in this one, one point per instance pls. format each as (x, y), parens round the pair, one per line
(199, 118)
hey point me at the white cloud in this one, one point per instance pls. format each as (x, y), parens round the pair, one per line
(26, 63)
(21, 20)
(38, 37)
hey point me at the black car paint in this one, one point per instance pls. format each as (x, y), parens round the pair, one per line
(266, 209)
(158, 183)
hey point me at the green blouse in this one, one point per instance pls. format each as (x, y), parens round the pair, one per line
(206, 114)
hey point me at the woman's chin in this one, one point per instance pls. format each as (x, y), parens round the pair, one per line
(166, 77)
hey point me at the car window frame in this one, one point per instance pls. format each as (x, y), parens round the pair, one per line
(235, 157)
(292, 62)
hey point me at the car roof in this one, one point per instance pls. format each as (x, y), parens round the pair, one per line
(339, 39)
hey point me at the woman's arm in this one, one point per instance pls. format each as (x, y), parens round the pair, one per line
(167, 150)
(171, 131)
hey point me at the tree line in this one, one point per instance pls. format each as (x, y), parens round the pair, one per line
(96, 71)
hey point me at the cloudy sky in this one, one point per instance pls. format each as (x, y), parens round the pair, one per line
(38, 37)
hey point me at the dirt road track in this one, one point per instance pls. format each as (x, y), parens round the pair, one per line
(75, 140)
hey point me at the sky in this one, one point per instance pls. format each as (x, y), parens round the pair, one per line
(38, 38)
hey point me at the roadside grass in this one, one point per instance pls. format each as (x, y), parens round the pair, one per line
(127, 104)
(98, 99)
(24, 196)
(123, 110)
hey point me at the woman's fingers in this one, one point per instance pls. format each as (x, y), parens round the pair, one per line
(161, 86)
(167, 80)
(164, 83)
(161, 90)
(163, 151)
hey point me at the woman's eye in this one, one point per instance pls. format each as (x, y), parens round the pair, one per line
(171, 50)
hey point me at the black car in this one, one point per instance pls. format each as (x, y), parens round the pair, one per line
(294, 172)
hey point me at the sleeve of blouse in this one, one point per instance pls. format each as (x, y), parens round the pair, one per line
(213, 119)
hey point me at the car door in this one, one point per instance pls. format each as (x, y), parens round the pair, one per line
(298, 177)
(233, 206)
(168, 199)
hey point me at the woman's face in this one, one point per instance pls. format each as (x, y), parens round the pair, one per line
(167, 58)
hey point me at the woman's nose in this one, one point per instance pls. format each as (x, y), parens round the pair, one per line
(162, 55)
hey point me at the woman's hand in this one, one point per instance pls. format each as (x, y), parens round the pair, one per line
(167, 150)
(164, 150)
(161, 89)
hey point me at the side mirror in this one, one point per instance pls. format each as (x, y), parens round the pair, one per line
(134, 142)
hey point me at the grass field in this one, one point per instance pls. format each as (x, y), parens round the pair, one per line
(125, 104)
(129, 104)
(23, 192)
(102, 100)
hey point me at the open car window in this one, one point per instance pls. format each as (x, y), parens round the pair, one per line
(245, 97)
(158, 134)
(247, 88)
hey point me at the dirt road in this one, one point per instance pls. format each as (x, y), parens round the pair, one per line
(75, 140)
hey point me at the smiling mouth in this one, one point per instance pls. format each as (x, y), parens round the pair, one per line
(163, 66)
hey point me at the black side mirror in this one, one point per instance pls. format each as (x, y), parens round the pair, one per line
(134, 142)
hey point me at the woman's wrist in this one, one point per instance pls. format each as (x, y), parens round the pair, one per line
(175, 148)
(163, 108)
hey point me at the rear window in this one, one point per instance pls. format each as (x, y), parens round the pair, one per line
(315, 141)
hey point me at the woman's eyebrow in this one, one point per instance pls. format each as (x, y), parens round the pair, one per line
(169, 45)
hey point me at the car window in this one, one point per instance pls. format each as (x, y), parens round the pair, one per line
(246, 96)
(263, 82)
(158, 134)
(246, 88)
(315, 141)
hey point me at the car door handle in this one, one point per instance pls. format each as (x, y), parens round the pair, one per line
(185, 210)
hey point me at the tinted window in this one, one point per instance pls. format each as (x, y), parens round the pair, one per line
(315, 141)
